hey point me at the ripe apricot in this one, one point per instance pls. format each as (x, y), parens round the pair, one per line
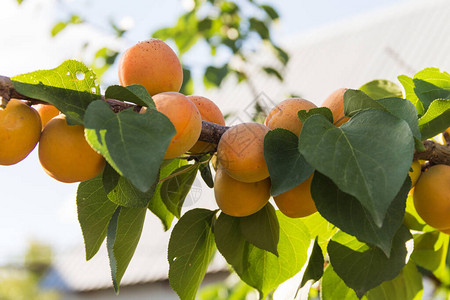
(237, 198)
(20, 129)
(415, 173)
(210, 112)
(297, 202)
(241, 152)
(335, 102)
(154, 65)
(64, 153)
(284, 115)
(184, 116)
(432, 196)
(46, 112)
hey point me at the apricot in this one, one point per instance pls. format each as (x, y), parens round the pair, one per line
(46, 112)
(241, 152)
(20, 129)
(64, 153)
(335, 102)
(184, 116)
(297, 202)
(210, 112)
(237, 198)
(432, 196)
(154, 65)
(415, 173)
(284, 115)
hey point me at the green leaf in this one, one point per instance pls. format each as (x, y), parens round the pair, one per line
(363, 267)
(320, 228)
(436, 119)
(205, 172)
(214, 76)
(258, 268)
(270, 11)
(287, 167)
(94, 213)
(282, 56)
(408, 85)
(333, 287)
(262, 229)
(127, 195)
(260, 27)
(273, 72)
(133, 93)
(110, 178)
(71, 87)
(406, 286)
(156, 205)
(431, 84)
(174, 190)
(314, 270)
(124, 232)
(428, 250)
(58, 27)
(191, 247)
(348, 214)
(356, 101)
(378, 89)
(324, 111)
(133, 144)
(359, 157)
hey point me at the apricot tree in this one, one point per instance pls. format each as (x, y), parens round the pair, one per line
(365, 240)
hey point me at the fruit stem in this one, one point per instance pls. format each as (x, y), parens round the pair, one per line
(4, 102)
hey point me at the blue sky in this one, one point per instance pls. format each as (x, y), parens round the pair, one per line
(35, 206)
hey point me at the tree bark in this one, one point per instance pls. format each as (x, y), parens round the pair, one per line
(435, 153)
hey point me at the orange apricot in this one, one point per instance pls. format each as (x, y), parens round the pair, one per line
(432, 196)
(284, 115)
(46, 112)
(20, 129)
(335, 102)
(65, 154)
(415, 173)
(154, 65)
(184, 116)
(241, 152)
(210, 112)
(240, 199)
(297, 202)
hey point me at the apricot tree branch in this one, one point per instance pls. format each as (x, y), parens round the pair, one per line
(435, 153)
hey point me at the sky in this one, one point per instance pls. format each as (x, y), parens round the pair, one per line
(37, 207)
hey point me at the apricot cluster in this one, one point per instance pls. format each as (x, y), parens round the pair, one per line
(63, 151)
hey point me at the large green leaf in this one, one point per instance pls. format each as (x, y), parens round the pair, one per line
(191, 248)
(262, 229)
(124, 232)
(319, 227)
(133, 93)
(133, 144)
(287, 167)
(70, 87)
(368, 157)
(379, 88)
(94, 213)
(175, 189)
(258, 268)
(345, 211)
(436, 119)
(408, 85)
(363, 267)
(156, 204)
